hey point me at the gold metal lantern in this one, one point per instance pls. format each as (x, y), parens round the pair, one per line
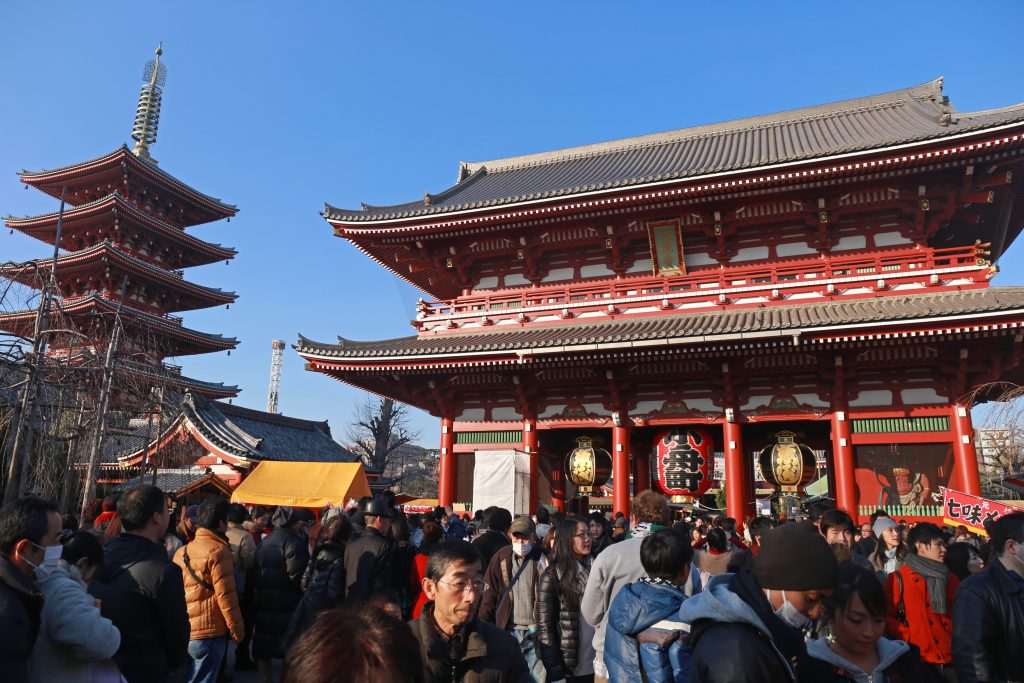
(587, 467)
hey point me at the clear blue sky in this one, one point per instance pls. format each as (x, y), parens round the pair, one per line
(280, 106)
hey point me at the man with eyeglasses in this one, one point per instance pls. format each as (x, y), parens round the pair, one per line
(454, 644)
(920, 598)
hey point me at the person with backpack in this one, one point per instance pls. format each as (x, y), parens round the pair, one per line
(324, 581)
(511, 591)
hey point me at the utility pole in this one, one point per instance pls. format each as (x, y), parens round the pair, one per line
(275, 374)
(99, 431)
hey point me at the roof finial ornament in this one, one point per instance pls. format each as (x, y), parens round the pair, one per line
(147, 115)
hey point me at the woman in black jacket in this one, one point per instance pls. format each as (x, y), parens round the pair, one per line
(281, 560)
(324, 579)
(566, 640)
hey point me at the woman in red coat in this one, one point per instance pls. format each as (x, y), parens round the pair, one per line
(919, 596)
(433, 535)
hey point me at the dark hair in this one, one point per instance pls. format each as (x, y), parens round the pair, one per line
(877, 514)
(836, 519)
(497, 518)
(83, 544)
(759, 526)
(92, 510)
(110, 502)
(597, 517)
(543, 516)
(415, 520)
(432, 533)
(1007, 528)
(439, 513)
(926, 533)
(855, 580)
(261, 511)
(24, 518)
(399, 530)
(350, 645)
(336, 531)
(729, 525)
(717, 540)
(212, 513)
(455, 550)
(818, 508)
(138, 505)
(664, 554)
(68, 522)
(237, 513)
(957, 557)
(564, 562)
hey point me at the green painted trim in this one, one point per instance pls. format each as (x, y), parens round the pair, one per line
(479, 438)
(889, 425)
(897, 511)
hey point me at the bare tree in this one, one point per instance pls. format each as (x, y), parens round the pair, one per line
(379, 428)
(1000, 435)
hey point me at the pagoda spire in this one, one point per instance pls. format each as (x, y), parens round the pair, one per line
(147, 114)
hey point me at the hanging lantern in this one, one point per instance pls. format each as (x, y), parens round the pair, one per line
(682, 461)
(588, 467)
(787, 465)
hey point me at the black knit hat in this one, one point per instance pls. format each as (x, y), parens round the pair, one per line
(795, 557)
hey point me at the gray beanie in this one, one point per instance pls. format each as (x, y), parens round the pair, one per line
(881, 524)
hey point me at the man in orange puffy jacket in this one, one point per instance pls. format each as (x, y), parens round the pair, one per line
(210, 592)
(920, 598)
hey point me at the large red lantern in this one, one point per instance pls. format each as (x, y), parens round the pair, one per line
(682, 461)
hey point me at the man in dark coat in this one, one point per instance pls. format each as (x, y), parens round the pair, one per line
(748, 627)
(988, 614)
(281, 560)
(27, 528)
(368, 559)
(454, 644)
(141, 591)
(495, 537)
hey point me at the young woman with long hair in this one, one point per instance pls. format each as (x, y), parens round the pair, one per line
(566, 640)
(891, 552)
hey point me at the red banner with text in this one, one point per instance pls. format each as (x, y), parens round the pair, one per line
(973, 512)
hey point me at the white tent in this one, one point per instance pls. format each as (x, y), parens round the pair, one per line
(502, 478)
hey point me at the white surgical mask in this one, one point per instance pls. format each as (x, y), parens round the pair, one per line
(522, 549)
(790, 615)
(51, 557)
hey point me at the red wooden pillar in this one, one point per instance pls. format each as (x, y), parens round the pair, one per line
(448, 477)
(739, 494)
(531, 449)
(641, 472)
(842, 447)
(557, 486)
(963, 449)
(620, 468)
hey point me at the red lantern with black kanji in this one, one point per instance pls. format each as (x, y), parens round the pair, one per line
(682, 461)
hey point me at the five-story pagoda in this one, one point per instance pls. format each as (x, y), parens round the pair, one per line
(120, 248)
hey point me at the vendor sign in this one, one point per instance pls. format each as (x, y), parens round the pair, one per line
(973, 512)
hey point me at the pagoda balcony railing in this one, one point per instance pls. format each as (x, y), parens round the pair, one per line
(825, 276)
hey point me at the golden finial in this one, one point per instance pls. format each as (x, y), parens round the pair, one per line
(147, 114)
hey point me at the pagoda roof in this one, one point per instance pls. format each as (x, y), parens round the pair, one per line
(172, 377)
(243, 434)
(728, 326)
(44, 227)
(104, 255)
(865, 124)
(189, 341)
(52, 180)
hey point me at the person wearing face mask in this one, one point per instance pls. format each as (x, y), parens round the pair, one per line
(856, 651)
(75, 640)
(29, 551)
(920, 598)
(511, 591)
(988, 622)
(749, 627)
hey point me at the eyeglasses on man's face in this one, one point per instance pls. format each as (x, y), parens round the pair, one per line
(462, 586)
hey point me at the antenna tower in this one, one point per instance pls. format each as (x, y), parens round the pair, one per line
(275, 374)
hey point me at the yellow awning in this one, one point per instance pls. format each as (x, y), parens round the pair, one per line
(303, 484)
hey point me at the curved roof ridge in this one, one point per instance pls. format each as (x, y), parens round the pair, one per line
(930, 91)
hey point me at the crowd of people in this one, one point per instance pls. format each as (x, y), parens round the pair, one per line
(144, 591)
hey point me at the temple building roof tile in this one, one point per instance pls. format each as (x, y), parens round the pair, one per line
(725, 325)
(920, 113)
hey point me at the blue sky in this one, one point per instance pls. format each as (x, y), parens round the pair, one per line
(279, 107)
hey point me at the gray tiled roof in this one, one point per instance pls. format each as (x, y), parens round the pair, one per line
(699, 327)
(875, 122)
(258, 435)
(168, 481)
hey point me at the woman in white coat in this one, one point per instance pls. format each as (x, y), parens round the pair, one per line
(74, 639)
